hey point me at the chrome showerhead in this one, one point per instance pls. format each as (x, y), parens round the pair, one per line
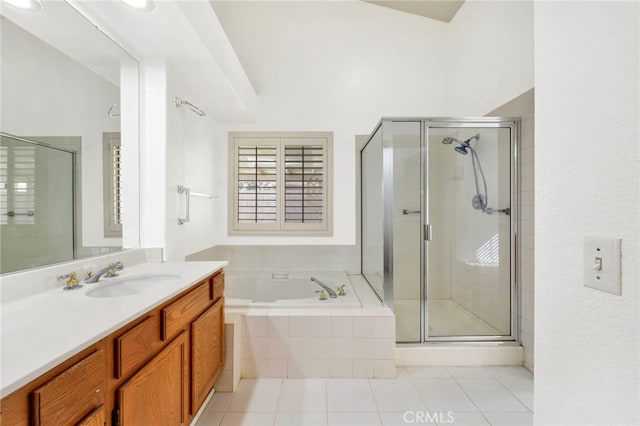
(462, 149)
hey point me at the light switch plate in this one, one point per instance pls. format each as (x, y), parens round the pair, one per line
(605, 252)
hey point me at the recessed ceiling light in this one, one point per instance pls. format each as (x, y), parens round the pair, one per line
(142, 5)
(28, 5)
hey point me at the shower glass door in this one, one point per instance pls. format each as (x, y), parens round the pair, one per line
(469, 243)
(405, 217)
(36, 204)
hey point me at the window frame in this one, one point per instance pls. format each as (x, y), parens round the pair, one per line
(280, 227)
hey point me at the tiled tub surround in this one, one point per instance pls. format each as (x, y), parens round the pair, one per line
(322, 343)
(288, 290)
(319, 342)
(292, 258)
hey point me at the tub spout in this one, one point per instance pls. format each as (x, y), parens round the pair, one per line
(332, 294)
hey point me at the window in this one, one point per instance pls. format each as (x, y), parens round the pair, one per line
(112, 187)
(17, 184)
(280, 183)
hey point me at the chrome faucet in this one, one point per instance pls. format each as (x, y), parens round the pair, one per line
(332, 294)
(110, 271)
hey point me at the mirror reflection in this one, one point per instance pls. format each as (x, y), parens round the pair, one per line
(61, 138)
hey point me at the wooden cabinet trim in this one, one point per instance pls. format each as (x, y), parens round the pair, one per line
(135, 346)
(158, 373)
(207, 352)
(178, 314)
(72, 394)
(95, 418)
(217, 286)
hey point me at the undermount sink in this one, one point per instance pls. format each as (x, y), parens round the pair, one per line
(130, 285)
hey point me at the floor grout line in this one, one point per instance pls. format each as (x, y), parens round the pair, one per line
(379, 413)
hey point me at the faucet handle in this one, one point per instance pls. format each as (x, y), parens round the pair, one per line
(72, 281)
(323, 295)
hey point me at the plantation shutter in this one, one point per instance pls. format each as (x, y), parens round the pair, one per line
(115, 184)
(304, 167)
(279, 183)
(112, 184)
(257, 184)
(17, 184)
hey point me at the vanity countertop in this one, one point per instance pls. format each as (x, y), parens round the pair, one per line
(41, 331)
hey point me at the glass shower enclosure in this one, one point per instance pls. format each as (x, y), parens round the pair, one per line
(36, 204)
(438, 225)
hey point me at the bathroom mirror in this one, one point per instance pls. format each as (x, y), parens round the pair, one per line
(69, 130)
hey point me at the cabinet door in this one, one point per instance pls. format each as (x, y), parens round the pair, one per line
(96, 418)
(72, 394)
(207, 352)
(155, 394)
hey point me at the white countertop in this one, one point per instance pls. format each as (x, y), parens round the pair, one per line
(41, 331)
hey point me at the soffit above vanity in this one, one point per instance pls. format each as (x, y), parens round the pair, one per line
(189, 39)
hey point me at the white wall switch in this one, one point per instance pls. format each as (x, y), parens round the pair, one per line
(602, 260)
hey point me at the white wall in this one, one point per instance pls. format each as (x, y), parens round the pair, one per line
(331, 66)
(190, 162)
(340, 66)
(489, 59)
(587, 182)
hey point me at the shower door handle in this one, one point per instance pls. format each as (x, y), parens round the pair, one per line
(428, 233)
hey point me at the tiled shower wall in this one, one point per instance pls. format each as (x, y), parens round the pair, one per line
(523, 106)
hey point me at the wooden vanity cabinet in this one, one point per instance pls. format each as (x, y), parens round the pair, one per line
(207, 352)
(71, 395)
(156, 370)
(182, 345)
(68, 394)
(155, 395)
(96, 418)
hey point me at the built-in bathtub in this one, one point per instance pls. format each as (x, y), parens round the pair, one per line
(286, 331)
(288, 290)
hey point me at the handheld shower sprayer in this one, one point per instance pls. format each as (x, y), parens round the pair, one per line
(480, 200)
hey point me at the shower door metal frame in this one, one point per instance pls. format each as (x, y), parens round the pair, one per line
(74, 157)
(385, 125)
(512, 123)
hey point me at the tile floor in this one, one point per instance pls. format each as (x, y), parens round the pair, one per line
(418, 395)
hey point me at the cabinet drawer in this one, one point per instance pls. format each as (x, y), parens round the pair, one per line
(135, 346)
(177, 315)
(217, 288)
(70, 396)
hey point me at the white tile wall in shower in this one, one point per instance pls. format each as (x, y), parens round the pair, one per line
(523, 106)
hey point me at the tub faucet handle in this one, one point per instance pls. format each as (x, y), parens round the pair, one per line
(323, 295)
(341, 290)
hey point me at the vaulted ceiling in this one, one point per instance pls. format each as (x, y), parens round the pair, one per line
(440, 10)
